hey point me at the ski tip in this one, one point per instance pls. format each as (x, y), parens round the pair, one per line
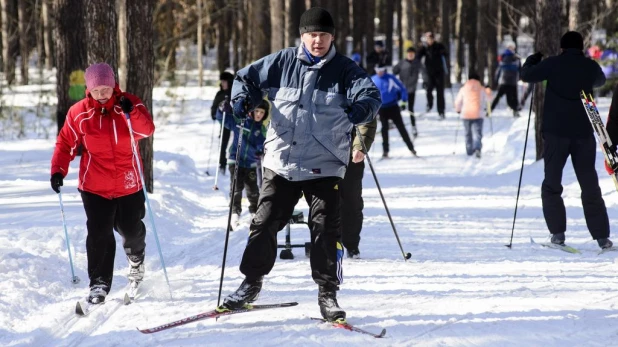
(126, 300)
(381, 334)
(79, 310)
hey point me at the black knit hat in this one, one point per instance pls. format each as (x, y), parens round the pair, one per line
(572, 39)
(316, 19)
(226, 76)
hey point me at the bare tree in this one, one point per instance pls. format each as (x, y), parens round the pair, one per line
(8, 40)
(71, 48)
(548, 41)
(140, 69)
(101, 20)
(277, 18)
(121, 10)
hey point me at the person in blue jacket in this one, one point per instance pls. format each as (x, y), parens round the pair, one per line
(392, 91)
(317, 96)
(252, 148)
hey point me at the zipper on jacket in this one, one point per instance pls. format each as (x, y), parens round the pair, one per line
(115, 133)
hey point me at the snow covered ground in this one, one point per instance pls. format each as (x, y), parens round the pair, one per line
(454, 213)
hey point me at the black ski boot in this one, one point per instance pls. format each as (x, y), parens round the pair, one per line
(248, 292)
(605, 243)
(97, 294)
(329, 308)
(558, 239)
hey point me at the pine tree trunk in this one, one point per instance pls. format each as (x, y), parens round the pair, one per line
(407, 23)
(8, 39)
(101, 28)
(140, 70)
(121, 7)
(482, 39)
(46, 8)
(200, 42)
(459, 43)
(294, 9)
(547, 40)
(445, 14)
(22, 29)
(70, 55)
(277, 18)
(342, 26)
(388, 25)
(492, 42)
(359, 25)
(472, 35)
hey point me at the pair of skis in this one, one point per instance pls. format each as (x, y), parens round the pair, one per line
(250, 308)
(569, 249)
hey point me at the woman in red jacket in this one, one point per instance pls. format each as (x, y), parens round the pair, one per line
(108, 178)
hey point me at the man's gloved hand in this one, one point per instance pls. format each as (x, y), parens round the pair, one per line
(126, 104)
(403, 105)
(534, 59)
(56, 182)
(241, 108)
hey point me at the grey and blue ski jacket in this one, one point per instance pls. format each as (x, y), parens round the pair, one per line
(309, 133)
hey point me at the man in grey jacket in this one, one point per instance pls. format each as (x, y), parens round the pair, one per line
(317, 96)
(408, 70)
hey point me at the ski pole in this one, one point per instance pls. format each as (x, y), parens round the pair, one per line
(152, 222)
(521, 172)
(455, 145)
(74, 279)
(219, 149)
(405, 255)
(229, 214)
(212, 136)
(491, 125)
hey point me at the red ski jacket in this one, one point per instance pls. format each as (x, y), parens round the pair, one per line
(107, 166)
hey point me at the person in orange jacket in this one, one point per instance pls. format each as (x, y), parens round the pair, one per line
(108, 179)
(470, 102)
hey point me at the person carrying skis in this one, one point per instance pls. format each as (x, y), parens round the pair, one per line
(223, 95)
(470, 102)
(567, 131)
(408, 71)
(435, 58)
(108, 179)
(316, 95)
(253, 136)
(612, 125)
(391, 91)
(507, 76)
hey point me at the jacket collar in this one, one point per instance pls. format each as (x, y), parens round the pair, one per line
(301, 55)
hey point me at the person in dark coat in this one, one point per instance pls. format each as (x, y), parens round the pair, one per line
(507, 76)
(379, 57)
(434, 54)
(567, 132)
(408, 70)
(224, 93)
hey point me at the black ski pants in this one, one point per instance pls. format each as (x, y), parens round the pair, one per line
(511, 97)
(103, 215)
(351, 192)
(393, 113)
(435, 82)
(223, 151)
(276, 204)
(582, 151)
(411, 97)
(247, 179)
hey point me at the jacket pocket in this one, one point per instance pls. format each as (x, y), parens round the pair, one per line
(338, 145)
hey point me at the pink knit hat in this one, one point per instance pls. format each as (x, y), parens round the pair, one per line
(99, 74)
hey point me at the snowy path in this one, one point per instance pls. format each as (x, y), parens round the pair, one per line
(462, 287)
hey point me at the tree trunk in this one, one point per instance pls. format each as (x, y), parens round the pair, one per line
(8, 39)
(200, 43)
(359, 25)
(294, 9)
(400, 41)
(24, 51)
(472, 35)
(342, 26)
(47, 34)
(547, 40)
(39, 32)
(101, 25)
(70, 55)
(482, 38)
(420, 10)
(492, 42)
(407, 23)
(445, 13)
(459, 43)
(277, 18)
(388, 25)
(370, 24)
(140, 70)
(121, 11)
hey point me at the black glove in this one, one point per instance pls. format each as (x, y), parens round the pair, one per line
(126, 105)
(534, 59)
(56, 182)
(241, 108)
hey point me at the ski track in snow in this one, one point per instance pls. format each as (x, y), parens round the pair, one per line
(454, 213)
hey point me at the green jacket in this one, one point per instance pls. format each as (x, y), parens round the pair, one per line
(368, 132)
